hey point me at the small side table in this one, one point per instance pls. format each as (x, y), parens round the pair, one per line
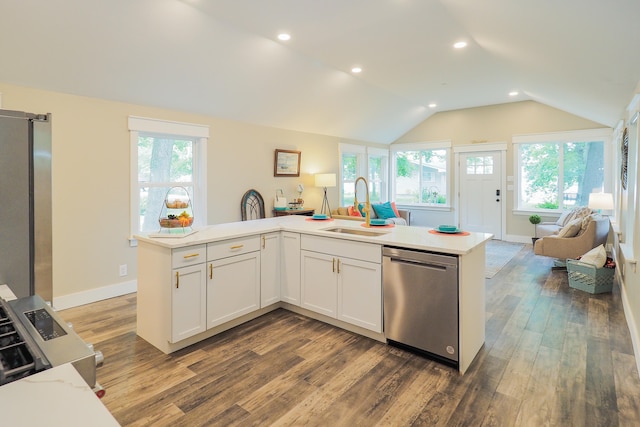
(304, 212)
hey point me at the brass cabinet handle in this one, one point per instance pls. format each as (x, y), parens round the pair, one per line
(338, 265)
(191, 256)
(177, 279)
(333, 265)
(210, 271)
(236, 247)
(264, 242)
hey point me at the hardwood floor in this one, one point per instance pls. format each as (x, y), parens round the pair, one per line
(553, 356)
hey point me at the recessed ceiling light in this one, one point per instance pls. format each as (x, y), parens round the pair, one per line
(432, 105)
(513, 93)
(356, 70)
(284, 37)
(460, 45)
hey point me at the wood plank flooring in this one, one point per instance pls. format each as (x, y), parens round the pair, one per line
(553, 356)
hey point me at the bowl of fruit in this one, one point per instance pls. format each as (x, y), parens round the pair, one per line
(175, 221)
(176, 204)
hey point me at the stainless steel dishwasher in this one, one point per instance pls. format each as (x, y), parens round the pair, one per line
(420, 292)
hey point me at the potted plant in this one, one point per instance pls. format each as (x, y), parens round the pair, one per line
(535, 220)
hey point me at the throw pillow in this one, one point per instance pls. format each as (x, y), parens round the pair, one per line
(393, 205)
(354, 212)
(560, 222)
(372, 213)
(571, 229)
(343, 211)
(596, 256)
(384, 210)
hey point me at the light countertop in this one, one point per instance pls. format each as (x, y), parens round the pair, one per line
(411, 237)
(54, 397)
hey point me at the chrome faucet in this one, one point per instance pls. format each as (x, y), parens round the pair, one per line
(367, 205)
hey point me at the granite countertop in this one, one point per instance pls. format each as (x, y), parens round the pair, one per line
(54, 397)
(411, 237)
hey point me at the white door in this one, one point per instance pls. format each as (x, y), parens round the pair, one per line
(481, 192)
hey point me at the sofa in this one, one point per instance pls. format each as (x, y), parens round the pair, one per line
(575, 239)
(343, 213)
(554, 227)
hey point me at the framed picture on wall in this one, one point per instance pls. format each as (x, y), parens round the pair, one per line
(286, 163)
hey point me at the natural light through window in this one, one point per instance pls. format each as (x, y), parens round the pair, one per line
(480, 165)
(165, 155)
(421, 175)
(559, 175)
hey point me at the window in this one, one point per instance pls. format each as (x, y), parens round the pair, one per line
(480, 165)
(421, 174)
(165, 155)
(372, 163)
(559, 171)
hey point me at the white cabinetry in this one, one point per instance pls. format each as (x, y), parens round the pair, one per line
(319, 283)
(290, 267)
(233, 279)
(269, 269)
(342, 279)
(188, 292)
(360, 293)
(188, 302)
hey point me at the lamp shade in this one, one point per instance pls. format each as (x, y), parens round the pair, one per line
(601, 201)
(325, 179)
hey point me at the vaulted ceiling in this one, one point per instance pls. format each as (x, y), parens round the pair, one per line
(222, 58)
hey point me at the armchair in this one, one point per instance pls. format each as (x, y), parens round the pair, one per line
(595, 231)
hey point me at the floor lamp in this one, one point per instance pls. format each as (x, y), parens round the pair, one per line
(325, 180)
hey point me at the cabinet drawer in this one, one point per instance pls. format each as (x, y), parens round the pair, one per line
(342, 248)
(227, 248)
(190, 255)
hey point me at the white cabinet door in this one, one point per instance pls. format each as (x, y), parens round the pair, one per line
(319, 282)
(233, 287)
(188, 302)
(269, 269)
(360, 293)
(290, 268)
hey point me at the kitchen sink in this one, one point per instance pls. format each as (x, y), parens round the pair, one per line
(355, 231)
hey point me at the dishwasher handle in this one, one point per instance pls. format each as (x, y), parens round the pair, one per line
(422, 264)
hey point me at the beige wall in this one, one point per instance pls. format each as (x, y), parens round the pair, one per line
(497, 123)
(91, 170)
(91, 175)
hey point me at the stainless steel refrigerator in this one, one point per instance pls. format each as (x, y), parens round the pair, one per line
(25, 203)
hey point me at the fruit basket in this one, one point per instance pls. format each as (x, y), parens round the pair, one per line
(177, 211)
(176, 204)
(176, 222)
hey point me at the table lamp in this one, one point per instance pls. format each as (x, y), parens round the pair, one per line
(325, 180)
(600, 201)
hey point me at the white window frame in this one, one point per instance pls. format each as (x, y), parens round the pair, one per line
(384, 179)
(418, 146)
(363, 153)
(601, 134)
(200, 133)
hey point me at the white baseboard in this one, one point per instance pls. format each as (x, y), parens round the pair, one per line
(516, 238)
(93, 295)
(631, 321)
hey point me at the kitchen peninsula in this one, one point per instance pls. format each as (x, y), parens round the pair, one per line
(194, 287)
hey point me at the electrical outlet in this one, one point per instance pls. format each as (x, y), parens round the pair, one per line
(123, 270)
